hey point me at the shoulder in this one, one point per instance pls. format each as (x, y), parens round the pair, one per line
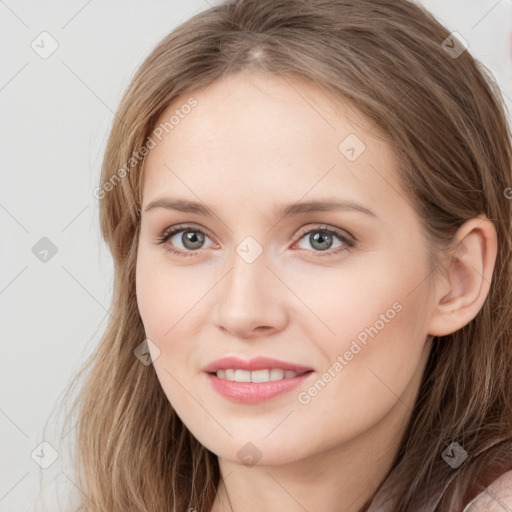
(497, 497)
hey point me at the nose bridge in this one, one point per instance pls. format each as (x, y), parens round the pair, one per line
(245, 284)
(247, 298)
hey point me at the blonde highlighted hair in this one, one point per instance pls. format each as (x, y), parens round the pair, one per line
(444, 118)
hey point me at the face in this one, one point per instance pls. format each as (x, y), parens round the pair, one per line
(341, 290)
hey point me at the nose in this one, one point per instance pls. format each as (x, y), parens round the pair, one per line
(251, 300)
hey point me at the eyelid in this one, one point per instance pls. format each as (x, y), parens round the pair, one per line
(326, 227)
(184, 227)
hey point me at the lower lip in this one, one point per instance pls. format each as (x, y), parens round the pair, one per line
(254, 392)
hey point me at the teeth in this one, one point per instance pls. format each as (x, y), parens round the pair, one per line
(277, 374)
(238, 375)
(242, 376)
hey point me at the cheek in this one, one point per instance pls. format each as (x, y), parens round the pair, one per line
(163, 303)
(164, 294)
(375, 319)
(374, 365)
(148, 291)
(343, 300)
(170, 306)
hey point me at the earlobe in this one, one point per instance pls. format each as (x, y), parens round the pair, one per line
(462, 291)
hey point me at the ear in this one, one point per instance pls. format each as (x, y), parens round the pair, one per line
(461, 292)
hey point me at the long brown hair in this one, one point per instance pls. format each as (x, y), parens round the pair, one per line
(444, 117)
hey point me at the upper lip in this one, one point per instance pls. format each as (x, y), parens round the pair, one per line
(258, 363)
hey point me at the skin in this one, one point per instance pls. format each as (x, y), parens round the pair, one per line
(255, 141)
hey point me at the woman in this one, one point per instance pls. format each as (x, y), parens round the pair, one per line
(308, 207)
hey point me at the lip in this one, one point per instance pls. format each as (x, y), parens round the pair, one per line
(258, 363)
(254, 392)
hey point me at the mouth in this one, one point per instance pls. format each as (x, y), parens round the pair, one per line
(254, 380)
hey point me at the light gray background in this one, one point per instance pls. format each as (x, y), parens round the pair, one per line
(55, 117)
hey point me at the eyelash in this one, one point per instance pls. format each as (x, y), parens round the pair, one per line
(170, 232)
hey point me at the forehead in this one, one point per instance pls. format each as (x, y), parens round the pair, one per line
(257, 135)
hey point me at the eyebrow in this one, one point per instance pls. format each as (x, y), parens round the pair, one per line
(289, 210)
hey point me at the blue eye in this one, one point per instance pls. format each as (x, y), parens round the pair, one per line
(193, 239)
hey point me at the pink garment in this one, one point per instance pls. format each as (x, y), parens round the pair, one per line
(497, 497)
